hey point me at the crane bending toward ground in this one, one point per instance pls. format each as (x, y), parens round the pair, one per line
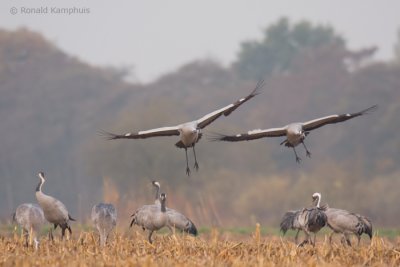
(104, 217)
(54, 210)
(151, 217)
(176, 220)
(346, 223)
(309, 220)
(295, 132)
(31, 218)
(189, 132)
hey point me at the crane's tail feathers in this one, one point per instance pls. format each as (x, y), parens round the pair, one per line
(133, 221)
(14, 219)
(191, 229)
(287, 221)
(70, 218)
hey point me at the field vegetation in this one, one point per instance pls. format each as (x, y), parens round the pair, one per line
(211, 248)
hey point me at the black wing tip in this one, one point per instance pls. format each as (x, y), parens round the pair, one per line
(369, 110)
(257, 89)
(215, 137)
(260, 84)
(107, 135)
(70, 218)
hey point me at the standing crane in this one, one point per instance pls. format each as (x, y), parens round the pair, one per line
(151, 217)
(176, 220)
(309, 220)
(54, 210)
(346, 223)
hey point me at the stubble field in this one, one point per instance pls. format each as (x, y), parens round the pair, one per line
(209, 249)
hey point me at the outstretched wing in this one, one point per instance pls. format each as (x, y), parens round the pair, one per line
(209, 118)
(164, 131)
(250, 135)
(314, 124)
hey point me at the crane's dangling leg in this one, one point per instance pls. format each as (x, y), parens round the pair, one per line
(308, 153)
(297, 157)
(196, 165)
(187, 163)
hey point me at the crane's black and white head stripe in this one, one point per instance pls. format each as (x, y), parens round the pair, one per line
(163, 197)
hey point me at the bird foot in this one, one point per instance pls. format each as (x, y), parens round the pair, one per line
(196, 166)
(188, 171)
(298, 160)
(302, 243)
(308, 153)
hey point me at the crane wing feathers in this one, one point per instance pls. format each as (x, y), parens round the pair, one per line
(250, 135)
(316, 123)
(163, 131)
(227, 110)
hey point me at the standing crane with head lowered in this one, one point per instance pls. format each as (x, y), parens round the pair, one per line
(31, 218)
(54, 210)
(104, 217)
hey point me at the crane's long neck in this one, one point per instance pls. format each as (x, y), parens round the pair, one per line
(318, 200)
(157, 192)
(163, 208)
(39, 186)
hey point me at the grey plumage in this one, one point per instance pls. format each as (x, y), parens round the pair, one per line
(347, 223)
(295, 132)
(189, 132)
(31, 218)
(104, 217)
(151, 217)
(54, 210)
(309, 220)
(176, 220)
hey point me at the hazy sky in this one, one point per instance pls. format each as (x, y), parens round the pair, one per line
(157, 36)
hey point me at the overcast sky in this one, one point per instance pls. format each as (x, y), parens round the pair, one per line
(158, 36)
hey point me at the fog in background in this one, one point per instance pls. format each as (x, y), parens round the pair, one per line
(156, 37)
(135, 65)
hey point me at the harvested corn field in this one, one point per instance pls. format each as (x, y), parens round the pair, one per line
(209, 249)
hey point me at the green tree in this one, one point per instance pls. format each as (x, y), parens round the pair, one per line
(281, 44)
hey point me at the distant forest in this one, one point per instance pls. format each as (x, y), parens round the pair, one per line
(52, 107)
